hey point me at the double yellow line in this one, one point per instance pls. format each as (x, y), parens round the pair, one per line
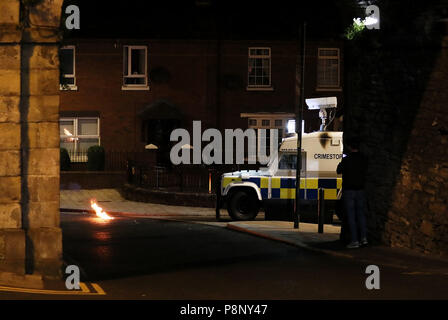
(85, 291)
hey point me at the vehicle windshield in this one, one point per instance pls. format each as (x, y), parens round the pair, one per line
(288, 161)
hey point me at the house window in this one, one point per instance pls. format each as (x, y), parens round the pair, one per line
(252, 123)
(268, 125)
(135, 61)
(259, 68)
(77, 135)
(265, 123)
(67, 66)
(328, 68)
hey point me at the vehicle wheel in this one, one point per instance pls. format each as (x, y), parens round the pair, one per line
(268, 214)
(243, 206)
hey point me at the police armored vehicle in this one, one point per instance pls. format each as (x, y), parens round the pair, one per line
(272, 188)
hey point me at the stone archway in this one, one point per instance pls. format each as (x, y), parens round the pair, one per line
(30, 234)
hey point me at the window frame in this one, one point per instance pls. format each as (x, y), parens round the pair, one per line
(255, 125)
(319, 58)
(125, 86)
(264, 125)
(272, 118)
(77, 137)
(259, 87)
(68, 87)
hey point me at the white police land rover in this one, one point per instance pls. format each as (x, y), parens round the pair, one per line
(272, 188)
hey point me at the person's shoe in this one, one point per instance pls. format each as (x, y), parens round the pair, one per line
(353, 245)
(364, 242)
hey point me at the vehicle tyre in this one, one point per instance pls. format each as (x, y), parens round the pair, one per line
(243, 206)
(268, 214)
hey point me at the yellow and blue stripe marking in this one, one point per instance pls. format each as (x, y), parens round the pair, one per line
(284, 187)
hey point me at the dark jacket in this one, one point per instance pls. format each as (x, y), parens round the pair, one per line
(354, 170)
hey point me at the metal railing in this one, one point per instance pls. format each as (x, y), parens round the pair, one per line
(77, 156)
(201, 179)
(114, 160)
(142, 172)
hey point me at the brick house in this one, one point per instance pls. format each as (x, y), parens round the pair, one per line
(125, 94)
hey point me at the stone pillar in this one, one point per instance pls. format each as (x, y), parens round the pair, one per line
(30, 236)
(12, 236)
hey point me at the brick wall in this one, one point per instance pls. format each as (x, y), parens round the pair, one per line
(192, 65)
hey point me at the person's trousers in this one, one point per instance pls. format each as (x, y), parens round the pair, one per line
(354, 203)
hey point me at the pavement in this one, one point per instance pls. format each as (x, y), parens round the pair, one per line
(306, 236)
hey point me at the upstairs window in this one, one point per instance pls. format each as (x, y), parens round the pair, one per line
(135, 67)
(67, 68)
(328, 68)
(259, 68)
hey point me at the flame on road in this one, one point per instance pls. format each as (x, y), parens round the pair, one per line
(99, 211)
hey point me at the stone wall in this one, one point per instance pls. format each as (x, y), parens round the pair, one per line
(397, 90)
(418, 218)
(30, 236)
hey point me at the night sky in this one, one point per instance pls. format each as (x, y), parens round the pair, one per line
(229, 19)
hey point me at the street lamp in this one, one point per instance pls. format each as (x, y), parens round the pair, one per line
(187, 146)
(372, 20)
(151, 147)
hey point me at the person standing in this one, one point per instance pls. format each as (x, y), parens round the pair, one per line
(353, 168)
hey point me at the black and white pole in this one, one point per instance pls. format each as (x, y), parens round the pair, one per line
(299, 117)
(321, 211)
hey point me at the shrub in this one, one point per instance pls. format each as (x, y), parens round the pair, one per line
(64, 160)
(95, 158)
